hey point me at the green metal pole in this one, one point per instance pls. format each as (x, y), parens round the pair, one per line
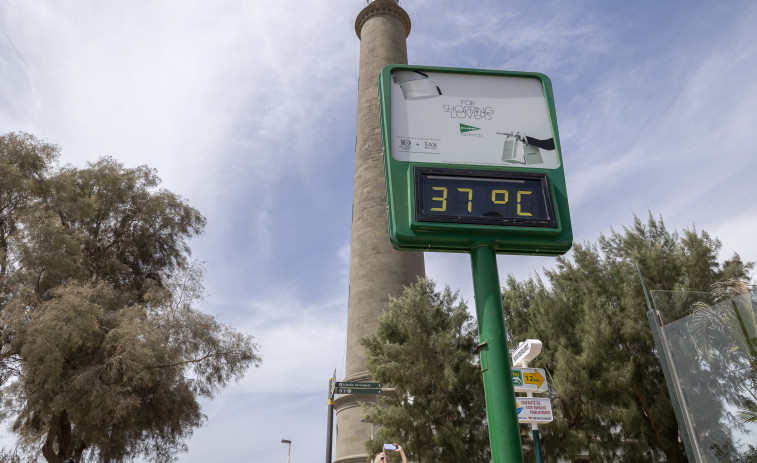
(537, 445)
(504, 434)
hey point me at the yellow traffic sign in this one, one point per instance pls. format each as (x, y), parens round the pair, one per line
(529, 380)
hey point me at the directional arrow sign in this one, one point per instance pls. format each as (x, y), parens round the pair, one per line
(533, 410)
(345, 390)
(359, 385)
(526, 351)
(529, 380)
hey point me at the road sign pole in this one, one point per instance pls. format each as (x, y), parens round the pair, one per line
(329, 429)
(537, 443)
(504, 434)
(330, 418)
(535, 427)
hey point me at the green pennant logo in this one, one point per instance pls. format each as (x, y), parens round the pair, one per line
(468, 128)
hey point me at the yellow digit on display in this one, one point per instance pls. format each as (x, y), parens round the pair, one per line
(443, 198)
(470, 197)
(520, 195)
(499, 201)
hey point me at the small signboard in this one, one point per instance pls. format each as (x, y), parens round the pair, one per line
(533, 410)
(529, 380)
(526, 351)
(343, 384)
(344, 390)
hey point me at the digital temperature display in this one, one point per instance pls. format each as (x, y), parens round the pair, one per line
(520, 199)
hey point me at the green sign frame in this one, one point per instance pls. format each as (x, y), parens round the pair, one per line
(488, 138)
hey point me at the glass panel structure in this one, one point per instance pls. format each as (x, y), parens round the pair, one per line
(710, 347)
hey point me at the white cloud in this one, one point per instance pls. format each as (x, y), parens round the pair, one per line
(300, 357)
(244, 426)
(519, 36)
(301, 343)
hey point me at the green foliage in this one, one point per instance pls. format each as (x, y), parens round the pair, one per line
(425, 345)
(7, 456)
(747, 456)
(609, 393)
(104, 353)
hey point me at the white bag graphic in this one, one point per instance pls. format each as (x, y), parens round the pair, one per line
(416, 85)
(518, 151)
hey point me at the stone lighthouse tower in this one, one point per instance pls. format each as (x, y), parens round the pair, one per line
(376, 269)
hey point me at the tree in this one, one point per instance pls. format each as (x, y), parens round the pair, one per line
(609, 393)
(104, 351)
(425, 346)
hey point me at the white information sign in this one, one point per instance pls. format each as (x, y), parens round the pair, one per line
(526, 351)
(533, 410)
(450, 118)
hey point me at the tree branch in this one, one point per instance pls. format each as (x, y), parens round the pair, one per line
(196, 360)
(648, 414)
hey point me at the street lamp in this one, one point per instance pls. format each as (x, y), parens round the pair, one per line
(289, 451)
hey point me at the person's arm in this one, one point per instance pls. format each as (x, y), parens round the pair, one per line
(402, 453)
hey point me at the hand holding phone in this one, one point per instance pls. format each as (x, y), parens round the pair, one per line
(390, 447)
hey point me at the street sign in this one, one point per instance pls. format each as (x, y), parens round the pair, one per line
(344, 390)
(529, 380)
(533, 410)
(526, 351)
(472, 158)
(343, 384)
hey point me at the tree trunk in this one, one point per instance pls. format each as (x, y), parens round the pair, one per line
(671, 454)
(59, 433)
(568, 415)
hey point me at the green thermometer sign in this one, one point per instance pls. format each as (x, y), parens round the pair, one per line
(472, 158)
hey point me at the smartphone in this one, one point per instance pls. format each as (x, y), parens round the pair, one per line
(390, 447)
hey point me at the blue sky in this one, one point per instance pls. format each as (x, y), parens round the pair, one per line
(247, 109)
